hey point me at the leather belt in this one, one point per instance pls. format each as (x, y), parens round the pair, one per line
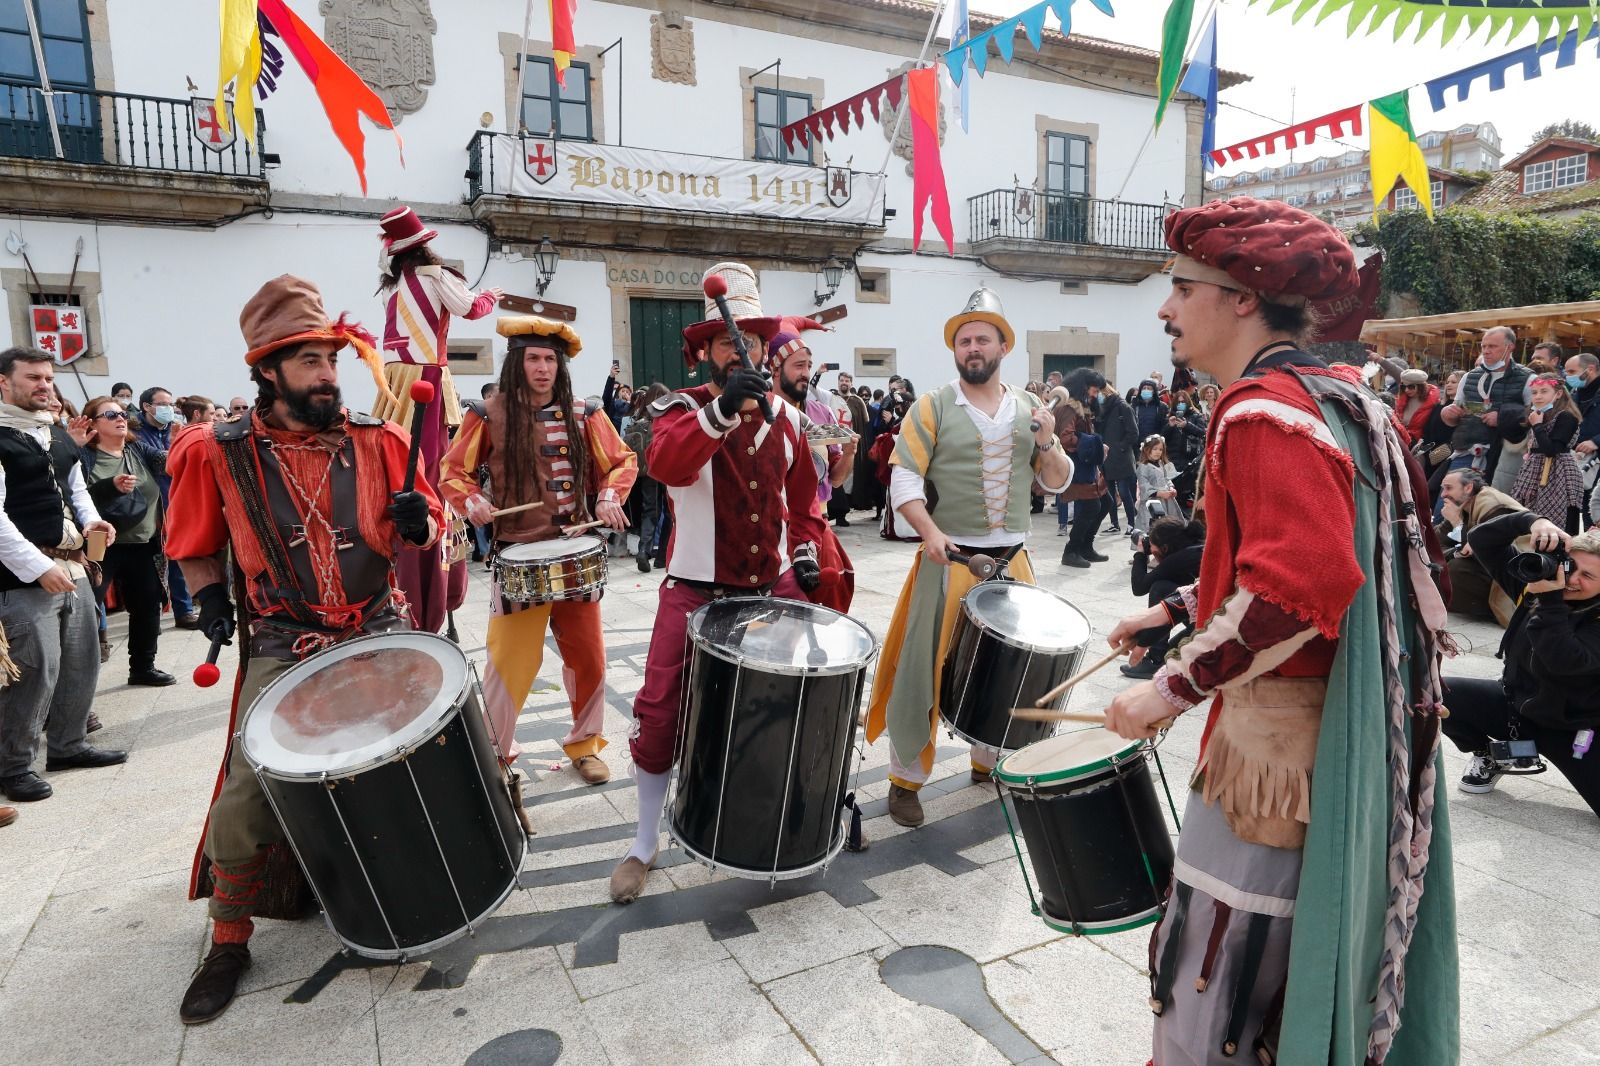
(71, 555)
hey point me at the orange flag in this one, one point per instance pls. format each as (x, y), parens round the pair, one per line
(927, 168)
(562, 44)
(345, 97)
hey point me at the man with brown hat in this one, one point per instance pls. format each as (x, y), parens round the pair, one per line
(1311, 907)
(541, 446)
(306, 497)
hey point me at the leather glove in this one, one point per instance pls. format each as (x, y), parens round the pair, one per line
(743, 384)
(807, 572)
(216, 613)
(409, 510)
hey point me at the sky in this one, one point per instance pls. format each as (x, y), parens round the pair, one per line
(1303, 70)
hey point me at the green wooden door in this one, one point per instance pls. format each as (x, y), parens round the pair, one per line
(657, 329)
(1065, 363)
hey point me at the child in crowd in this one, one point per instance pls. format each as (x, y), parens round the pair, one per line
(1157, 496)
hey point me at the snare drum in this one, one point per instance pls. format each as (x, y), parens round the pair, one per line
(568, 568)
(765, 737)
(1099, 847)
(377, 762)
(1011, 644)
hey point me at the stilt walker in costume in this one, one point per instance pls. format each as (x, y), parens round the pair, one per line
(969, 449)
(423, 294)
(743, 496)
(540, 445)
(1311, 920)
(789, 360)
(307, 498)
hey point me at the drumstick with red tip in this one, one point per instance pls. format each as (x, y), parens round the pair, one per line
(716, 287)
(421, 397)
(1051, 696)
(207, 673)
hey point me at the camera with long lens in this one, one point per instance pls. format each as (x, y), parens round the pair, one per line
(1531, 567)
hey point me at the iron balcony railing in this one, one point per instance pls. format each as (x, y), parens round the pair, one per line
(124, 130)
(1064, 218)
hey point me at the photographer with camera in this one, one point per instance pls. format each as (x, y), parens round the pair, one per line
(1165, 560)
(1547, 700)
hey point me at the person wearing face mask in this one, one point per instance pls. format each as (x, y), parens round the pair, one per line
(1583, 378)
(1149, 412)
(1487, 411)
(1185, 432)
(1549, 483)
(155, 427)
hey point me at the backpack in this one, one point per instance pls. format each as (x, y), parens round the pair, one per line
(637, 437)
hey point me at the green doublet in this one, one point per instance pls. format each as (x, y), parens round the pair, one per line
(941, 443)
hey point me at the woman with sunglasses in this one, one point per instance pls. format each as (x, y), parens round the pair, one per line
(121, 474)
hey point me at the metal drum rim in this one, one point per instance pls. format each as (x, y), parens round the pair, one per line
(579, 550)
(1023, 645)
(392, 754)
(1113, 925)
(747, 873)
(1084, 772)
(959, 735)
(470, 929)
(773, 668)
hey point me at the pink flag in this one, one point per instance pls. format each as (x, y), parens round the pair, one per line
(927, 168)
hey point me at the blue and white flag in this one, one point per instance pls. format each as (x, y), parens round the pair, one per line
(1201, 80)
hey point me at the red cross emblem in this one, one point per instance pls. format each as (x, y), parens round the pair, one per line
(207, 126)
(539, 158)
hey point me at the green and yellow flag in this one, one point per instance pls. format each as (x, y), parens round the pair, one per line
(1395, 154)
(1174, 42)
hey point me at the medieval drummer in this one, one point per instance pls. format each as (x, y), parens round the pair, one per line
(541, 447)
(312, 530)
(974, 440)
(423, 295)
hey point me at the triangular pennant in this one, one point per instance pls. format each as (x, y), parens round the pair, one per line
(980, 55)
(1328, 9)
(1005, 39)
(1033, 22)
(956, 61)
(788, 138)
(896, 90)
(1105, 8)
(858, 108)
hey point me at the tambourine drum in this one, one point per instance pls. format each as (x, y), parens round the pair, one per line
(1099, 847)
(377, 761)
(766, 734)
(567, 568)
(1011, 644)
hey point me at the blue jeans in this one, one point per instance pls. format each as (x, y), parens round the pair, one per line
(1128, 489)
(178, 591)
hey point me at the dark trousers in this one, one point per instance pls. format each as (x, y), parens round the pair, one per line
(1480, 712)
(1128, 489)
(1086, 518)
(133, 568)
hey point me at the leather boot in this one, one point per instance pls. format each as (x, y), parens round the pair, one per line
(904, 807)
(214, 984)
(514, 790)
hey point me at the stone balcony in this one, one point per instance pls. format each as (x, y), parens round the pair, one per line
(1071, 237)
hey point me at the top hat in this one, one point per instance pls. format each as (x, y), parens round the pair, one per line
(402, 229)
(982, 306)
(744, 303)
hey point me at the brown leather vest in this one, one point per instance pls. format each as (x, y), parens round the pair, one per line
(554, 476)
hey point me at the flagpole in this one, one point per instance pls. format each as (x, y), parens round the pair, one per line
(44, 77)
(905, 100)
(522, 64)
(1151, 132)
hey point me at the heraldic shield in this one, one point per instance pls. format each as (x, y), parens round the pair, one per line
(840, 185)
(1022, 205)
(539, 157)
(206, 127)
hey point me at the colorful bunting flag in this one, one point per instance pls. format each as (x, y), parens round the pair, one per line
(239, 62)
(927, 168)
(960, 34)
(1004, 36)
(1552, 17)
(562, 44)
(1201, 80)
(1343, 123)
(1395, 154)
(1174, 42)
(1529, 57)
(821, 123)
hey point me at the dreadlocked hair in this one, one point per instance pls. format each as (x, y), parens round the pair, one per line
(410, 259)
(518, 408)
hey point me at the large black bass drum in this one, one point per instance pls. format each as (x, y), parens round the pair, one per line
(766, 735)
(377, 761)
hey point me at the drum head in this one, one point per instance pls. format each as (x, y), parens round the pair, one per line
(782, 636)
(354, 704)
(1027, 616)
(1066, 757)
(543, 550)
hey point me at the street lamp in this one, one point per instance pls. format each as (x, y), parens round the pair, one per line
(832, 275)
(546, 258)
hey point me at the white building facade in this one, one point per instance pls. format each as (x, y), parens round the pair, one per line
(158, 241)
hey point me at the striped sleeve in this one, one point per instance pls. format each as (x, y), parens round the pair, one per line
(458, 470)
(919, 433)
(611, 461)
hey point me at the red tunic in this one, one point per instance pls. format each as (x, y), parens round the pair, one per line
(739, 511)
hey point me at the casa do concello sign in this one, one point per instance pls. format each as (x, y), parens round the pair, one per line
(603, 173)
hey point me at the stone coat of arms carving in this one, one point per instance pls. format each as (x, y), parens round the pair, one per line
(672, 48)
(389, 43)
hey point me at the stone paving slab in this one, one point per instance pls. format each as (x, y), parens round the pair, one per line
(97, 940)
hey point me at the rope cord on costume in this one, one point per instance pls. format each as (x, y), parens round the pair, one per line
(996, 465)
(328, 566)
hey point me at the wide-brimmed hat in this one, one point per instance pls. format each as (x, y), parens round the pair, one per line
(288, 310)
(982, 306)
(744, 302)
(523, 331)
(402, 229)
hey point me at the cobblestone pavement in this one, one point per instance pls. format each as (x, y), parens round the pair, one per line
(921, 949)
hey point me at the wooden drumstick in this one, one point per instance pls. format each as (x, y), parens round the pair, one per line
(1048, 697)
(573, 531)
(518, 507)
(1034, 714)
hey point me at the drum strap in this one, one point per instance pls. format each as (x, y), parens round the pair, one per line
(1219, 929)
(238, 453)
(1255, 948)
(1161, 980)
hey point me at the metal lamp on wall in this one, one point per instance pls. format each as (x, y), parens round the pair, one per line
(547, 258)
(832, 275)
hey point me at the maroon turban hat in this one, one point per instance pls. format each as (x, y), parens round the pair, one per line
(1262, 246)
